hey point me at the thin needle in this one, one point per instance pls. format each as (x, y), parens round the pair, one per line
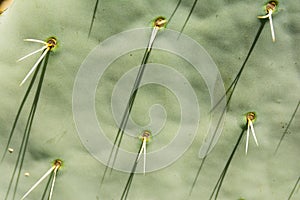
(57, 164)
(53, 182)
(288, 126)
(145, 153)
(270, 8)
(269, 15)
(271, 26)
(247, 140)
(188, 17)
(142, 151)
(178, 3)
(38, 182)
(152, 38)
(35, 40)
(234, 83)
(93, 18)
(145, 137)
(253, 132)
(130, 178)
(250, 117)
(35, 65)
(219, 183)
(30, 54)
(46, 188)
(293, 190)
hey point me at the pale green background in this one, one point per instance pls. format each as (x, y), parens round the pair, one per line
(269, 85)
